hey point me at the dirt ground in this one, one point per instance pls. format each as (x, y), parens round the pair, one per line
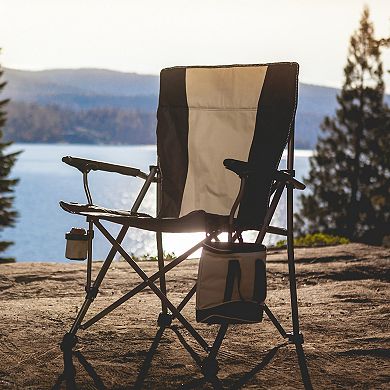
(343, 294)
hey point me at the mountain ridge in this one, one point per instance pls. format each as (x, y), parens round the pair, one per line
(111, 96)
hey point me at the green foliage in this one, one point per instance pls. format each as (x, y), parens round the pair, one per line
(349, 179)
(316, 239)
(148, 257)
(386, 241)
(31, 122)
(7, 160)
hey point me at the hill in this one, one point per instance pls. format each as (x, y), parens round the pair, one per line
(28, 85)
(95, 105)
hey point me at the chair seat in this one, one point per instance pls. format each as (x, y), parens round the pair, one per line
(196, 221)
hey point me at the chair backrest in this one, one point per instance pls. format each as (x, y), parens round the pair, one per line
(209, 113)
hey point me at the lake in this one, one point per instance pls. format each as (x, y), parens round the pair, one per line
(45, 180)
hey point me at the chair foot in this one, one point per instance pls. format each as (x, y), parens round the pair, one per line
(68, 342)
(295, 338)
(210, 367)
(164, 320)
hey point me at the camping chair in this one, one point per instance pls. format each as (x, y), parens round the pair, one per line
(239, 117)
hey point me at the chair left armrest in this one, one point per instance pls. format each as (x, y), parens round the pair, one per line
(86, 165)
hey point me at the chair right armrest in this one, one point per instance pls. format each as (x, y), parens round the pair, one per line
(240, 168)
(244, 169)
(283, 176)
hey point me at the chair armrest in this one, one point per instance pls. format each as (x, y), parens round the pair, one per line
(244, 169)
(85, 165)
(240, 168)
(283, 176)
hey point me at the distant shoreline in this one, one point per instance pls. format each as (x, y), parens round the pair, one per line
(299, 152)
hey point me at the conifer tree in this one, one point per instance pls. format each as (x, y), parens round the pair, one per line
(349, 175)
(7, 213)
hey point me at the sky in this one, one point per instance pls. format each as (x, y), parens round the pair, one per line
(145, 36)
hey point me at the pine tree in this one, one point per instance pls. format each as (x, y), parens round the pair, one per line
(349, 175)
(7, 160)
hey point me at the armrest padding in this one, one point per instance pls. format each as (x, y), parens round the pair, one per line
(85, 165)
(240, 168)
(244, 169)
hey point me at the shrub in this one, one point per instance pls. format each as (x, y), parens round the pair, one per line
(313, 240)
(148, 257)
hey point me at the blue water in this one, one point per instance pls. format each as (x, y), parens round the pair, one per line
(45, 180)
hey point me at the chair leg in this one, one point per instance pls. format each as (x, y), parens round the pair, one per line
(70, 339)
(164, 319)
(295, 336)
(210, 364)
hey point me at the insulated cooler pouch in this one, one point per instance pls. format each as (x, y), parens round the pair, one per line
(231, 285)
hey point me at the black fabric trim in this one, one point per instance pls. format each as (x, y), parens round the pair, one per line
(231, 313)
(274, 122)
(172, 139)
(260, 284)
(234, 247)
(233, 65)
(233, 274)
(196, 221)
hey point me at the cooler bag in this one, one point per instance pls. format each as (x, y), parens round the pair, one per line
(231, 285)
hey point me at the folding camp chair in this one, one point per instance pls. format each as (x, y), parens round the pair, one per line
(240, 116)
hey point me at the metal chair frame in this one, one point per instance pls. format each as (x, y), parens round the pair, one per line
(168, 310)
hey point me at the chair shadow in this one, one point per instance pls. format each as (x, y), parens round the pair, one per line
(306, 381)
(303, 367)
(260, 366)
(217, 383)
(148, 359)
(68, 377)
(214, 381)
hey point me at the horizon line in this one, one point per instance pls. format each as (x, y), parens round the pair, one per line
(326, 85)
(131, 72)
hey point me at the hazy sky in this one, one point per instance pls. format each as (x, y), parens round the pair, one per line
(147, 35)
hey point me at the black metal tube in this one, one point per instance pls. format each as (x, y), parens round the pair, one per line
(275, 321)
(160, 250)
(234, 209)
(152, 286)
(86, 188)
(291, 261)
(89, 256)
(80, 316)
(114, 305)
(142, 285)
(290, 240)
(290, 152)
(106, 265)
(113, 251)
(270, 213)
(218, 341)
(187, 298)
(144, 190)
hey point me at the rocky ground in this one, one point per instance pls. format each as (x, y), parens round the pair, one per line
(343, 296)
